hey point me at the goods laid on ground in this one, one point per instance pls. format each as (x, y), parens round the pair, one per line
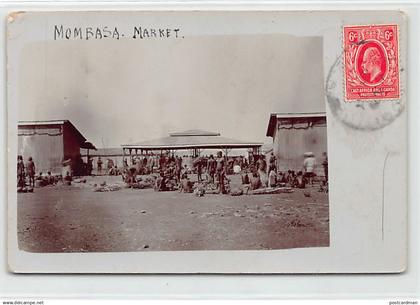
(79, 180)
(141, 185)
(142, 182)
(199, 191)
(270, 190)
(162, 184)
(25, 190)
(107, 188)
(236, 192)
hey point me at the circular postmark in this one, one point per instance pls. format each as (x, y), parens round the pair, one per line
(365, 115)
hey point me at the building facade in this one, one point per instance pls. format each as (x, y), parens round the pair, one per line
(294, 134)
(50, 143)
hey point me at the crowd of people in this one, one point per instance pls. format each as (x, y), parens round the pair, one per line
(27, 178)
(266, 175)
(173, 173)
(25, 172)
(257, 171)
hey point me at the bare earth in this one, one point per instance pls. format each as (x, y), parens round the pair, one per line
(76, 219)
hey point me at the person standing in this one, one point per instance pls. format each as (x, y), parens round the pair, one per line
(20, 171)
(139, 166)
(236, 167)
(272, 177)
(89, 166)
(272, 161)
(99, 164)
(30, 170)
(199, 165)
(109, 165)
(162, 162)
(178, 168)
(325, 165)
(262, 164)
(145, 165)
(211, 168)
(220, 171)
(309, 165)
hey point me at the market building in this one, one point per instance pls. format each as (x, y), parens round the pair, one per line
(295, 134)
(194, 141)
(51, 143)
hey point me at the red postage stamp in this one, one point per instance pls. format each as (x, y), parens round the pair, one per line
(371, 69)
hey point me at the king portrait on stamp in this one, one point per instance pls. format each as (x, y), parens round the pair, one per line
(371, 62)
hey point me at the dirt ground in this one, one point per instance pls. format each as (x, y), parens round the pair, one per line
(77, 219)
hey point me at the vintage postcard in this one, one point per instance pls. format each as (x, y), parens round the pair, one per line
(207, 142)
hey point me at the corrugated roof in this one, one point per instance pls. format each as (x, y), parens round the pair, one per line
(82, 140)
(45, 122)
(190, 141)
(114, 151)
(288, 115)
(194, 132)
(299, 115)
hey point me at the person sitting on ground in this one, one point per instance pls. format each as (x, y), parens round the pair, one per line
(300, 181)
(130, 176)
(161, 182)
(282, 177)
(186, 185)
(50, 179)
(245, 178)
(255, 181)
(291, 177)
(68, 178)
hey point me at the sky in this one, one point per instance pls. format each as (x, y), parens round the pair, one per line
(127, 91)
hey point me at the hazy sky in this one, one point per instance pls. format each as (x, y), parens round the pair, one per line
(117, 92)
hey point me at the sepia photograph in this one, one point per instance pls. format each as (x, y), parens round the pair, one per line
(193, 143)
(206, 142)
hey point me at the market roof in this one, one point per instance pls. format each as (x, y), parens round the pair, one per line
(192, 139)
(194, 132)
(106, 152)
(289, 115)
(83, 143)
